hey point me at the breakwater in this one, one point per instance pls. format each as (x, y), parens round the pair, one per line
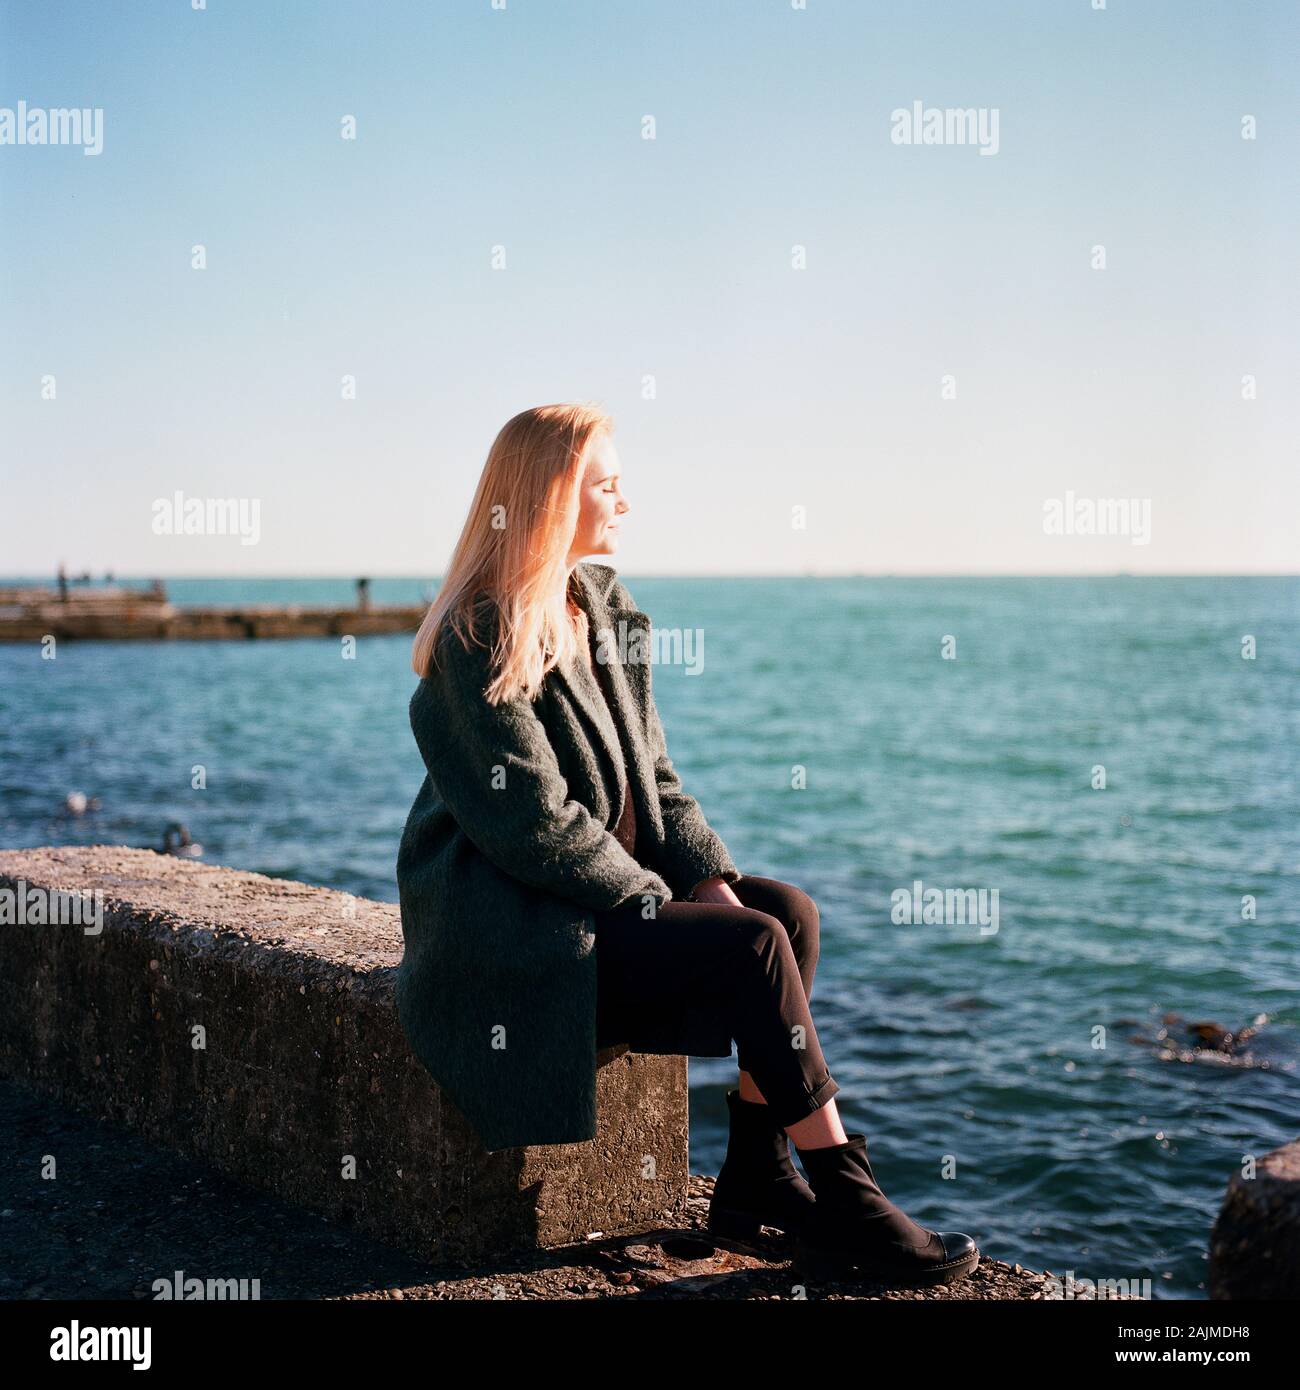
(32, 615)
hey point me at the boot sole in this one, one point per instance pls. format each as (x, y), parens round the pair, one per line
(844, 1265)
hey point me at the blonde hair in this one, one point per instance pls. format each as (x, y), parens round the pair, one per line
(512, 556)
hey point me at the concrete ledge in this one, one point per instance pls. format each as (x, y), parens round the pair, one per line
(249, 1021)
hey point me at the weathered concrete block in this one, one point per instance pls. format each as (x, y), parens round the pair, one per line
(250, 1021)
(1255, 1243)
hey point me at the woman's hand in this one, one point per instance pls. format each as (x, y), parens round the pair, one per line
(715, 890)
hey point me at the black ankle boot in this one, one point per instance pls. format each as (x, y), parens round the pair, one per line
(856, 1231)
(757, 1184)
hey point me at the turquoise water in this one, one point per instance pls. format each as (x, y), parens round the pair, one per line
(1115, 906)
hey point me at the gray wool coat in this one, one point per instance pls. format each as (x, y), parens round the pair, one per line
(505, 856)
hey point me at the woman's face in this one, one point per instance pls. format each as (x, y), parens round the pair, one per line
(601, 503)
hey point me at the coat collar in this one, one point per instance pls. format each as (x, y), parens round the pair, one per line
(593, 592)
(598, 581)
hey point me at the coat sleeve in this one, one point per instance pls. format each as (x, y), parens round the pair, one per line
(693, 850)
(495, 770)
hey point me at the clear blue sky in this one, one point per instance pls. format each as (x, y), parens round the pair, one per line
(776, 387)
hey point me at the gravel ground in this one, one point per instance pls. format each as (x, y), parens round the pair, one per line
(123, 1212)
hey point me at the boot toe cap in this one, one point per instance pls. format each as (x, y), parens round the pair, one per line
(956, 1245)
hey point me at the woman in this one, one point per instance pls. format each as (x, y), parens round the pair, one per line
(561, 892)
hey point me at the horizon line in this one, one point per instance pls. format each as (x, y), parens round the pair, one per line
(351, 576)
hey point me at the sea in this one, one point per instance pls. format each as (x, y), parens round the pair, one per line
(1052, 827)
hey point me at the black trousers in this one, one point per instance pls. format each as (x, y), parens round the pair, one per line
(699, 975)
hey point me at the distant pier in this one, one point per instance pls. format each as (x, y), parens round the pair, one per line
(29, 614)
